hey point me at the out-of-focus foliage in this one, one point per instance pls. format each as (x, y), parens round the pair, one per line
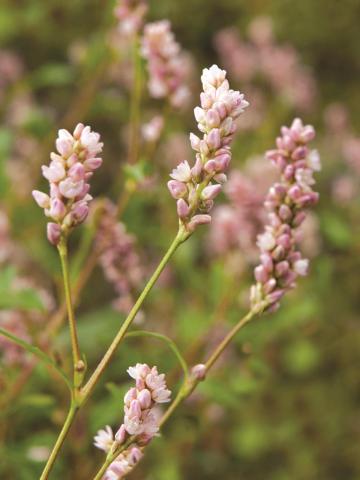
(284, 401)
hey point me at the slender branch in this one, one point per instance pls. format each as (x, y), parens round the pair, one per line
(59, 442)
(189, 385)
(90, 385)
(221, 347)
(182, 394)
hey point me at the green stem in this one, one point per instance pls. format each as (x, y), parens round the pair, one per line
(59, 442)
(104, 467)
(135, 104)
(78, 363)
(89, 386)
(112, 455)
(190, 384)
(221, 347)
(185, 390)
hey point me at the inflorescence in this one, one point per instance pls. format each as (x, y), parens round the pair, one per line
(195, 188)
(140, 420)
(281, 261)
(68, 174)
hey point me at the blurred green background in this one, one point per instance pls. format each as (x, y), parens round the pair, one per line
(284, 403)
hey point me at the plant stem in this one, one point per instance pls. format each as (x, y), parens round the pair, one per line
(89, 386)
(108, 461)
(182, 394)
(221, 347)
(60, 440)
(189, 386)
(135, 104)
(78, 363)
(112, 455)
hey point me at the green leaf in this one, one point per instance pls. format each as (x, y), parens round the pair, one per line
(38, 353)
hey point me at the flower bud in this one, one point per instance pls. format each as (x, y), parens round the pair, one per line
(210, 192)
(41, 199)
(199, 371)
(53, 233)
(177, 189)
(182, 208)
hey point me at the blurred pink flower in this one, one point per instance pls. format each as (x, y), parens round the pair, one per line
(168, 66)
(279, 65)
(336, 118)
(118, 257)
(351, 152)
(151, 130)
(236, 226)
(130, 14)
(345, 189)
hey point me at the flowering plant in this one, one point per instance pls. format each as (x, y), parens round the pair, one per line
(195, 185)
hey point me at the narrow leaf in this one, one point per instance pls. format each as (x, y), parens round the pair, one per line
(38, 353)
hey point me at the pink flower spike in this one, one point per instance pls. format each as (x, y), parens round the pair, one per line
(281, 261)
(68, 174)
(220, 107)
(140, 419)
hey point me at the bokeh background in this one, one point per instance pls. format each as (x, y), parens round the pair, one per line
(284, 402)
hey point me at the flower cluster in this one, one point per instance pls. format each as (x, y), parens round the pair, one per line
(281, 261)
(68, 174)
(195, 188)
(130, 14)
(139, 419)
(168, 66)
(118, 257)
